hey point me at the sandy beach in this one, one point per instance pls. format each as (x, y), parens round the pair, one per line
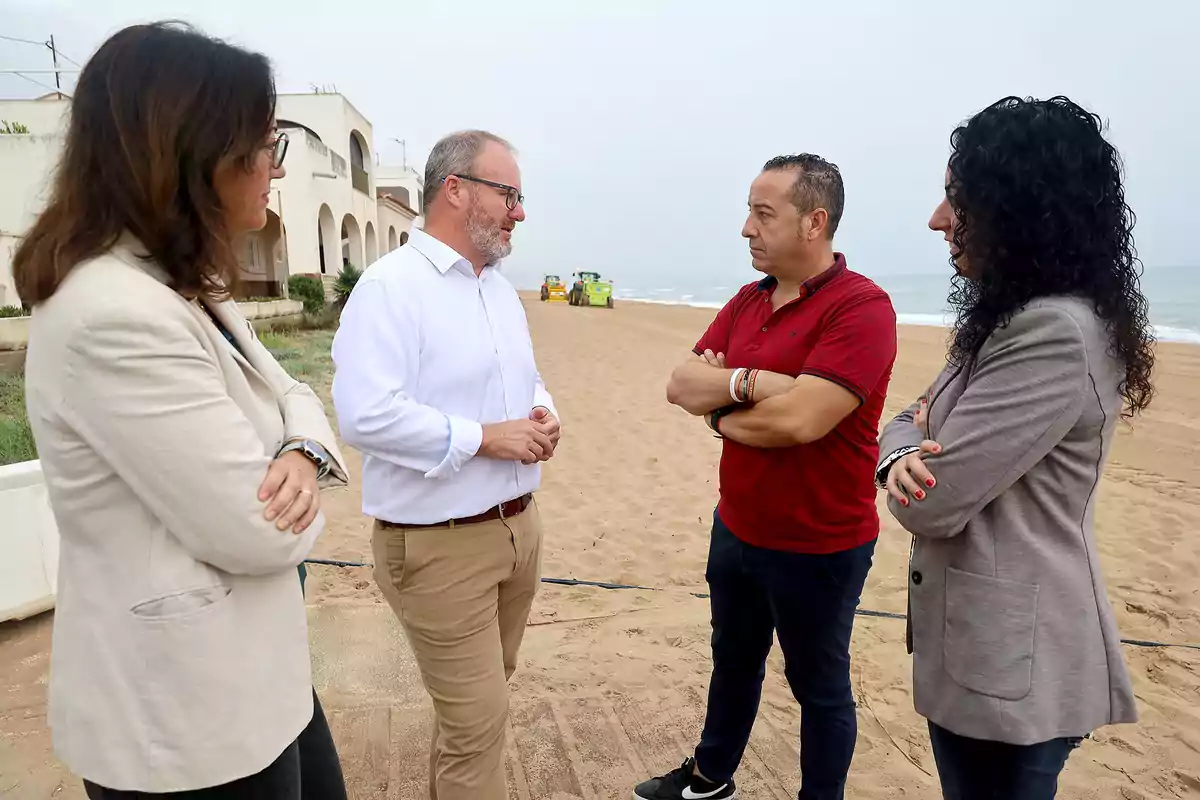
(628, 499)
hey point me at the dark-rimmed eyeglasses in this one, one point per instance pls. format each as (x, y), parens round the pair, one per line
(278, 148)
(512, 195)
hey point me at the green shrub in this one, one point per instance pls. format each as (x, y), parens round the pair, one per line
(16, 438)
(346, 281)
(309, 289)
(12, 311)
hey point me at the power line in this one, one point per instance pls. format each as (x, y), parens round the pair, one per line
(49, 45)
(39, 83)
(21, 41)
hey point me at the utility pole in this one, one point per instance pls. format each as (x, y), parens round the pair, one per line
(403, 151)
(54, 56)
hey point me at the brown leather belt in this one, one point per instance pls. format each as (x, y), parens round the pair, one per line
(503, 511)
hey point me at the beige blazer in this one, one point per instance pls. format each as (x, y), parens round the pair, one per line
(1013, 636)
(180, 649)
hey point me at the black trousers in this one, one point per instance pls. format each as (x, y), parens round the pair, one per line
(809, 601)
(308, 769)
(972, 769)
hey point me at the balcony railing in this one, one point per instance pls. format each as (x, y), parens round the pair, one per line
(315, 144)
(337, 163)
(360, 180)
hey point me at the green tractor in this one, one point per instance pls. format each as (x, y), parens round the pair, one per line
(589, 290)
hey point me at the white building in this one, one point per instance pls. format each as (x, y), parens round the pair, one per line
(336, 205)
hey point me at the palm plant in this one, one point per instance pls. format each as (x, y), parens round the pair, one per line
(344, 285)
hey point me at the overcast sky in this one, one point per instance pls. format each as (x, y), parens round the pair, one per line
(642, 123)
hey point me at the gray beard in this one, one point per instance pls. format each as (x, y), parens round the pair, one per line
(485, 235)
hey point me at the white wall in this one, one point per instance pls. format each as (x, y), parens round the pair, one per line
(26, 163)
(40, 116)
(387, 175)
(8, 292)
(310, 182)
(317, 173)
(391, 216)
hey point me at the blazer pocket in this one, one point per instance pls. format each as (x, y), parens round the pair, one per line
(180, 605)
(989, 636)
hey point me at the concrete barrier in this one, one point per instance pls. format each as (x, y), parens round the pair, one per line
(28, 543)
(14, 333)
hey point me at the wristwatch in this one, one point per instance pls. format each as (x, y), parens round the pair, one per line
(713, 419)
(313, 451)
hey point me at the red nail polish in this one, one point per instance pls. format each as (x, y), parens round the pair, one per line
(920, 495)
(904, 501)
(929, 483)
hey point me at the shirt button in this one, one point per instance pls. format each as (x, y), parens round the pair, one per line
(916, 578)
(764, 328)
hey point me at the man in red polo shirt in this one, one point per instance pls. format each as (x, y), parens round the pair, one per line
(792, 374)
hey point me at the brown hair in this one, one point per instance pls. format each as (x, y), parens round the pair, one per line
(156, 110)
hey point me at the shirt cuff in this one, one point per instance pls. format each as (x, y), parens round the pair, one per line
(465, 438)
(885, 466)
(542, 399)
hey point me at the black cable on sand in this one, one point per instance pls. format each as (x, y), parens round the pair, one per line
(862, 612)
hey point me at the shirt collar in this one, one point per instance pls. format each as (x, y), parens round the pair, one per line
(441, 255)
(814, 283)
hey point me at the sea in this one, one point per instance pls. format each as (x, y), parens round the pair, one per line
(920, 299)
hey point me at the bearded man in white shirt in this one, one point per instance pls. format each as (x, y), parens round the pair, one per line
(436, 385)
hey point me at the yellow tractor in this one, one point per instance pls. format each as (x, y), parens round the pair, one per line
(553, 290)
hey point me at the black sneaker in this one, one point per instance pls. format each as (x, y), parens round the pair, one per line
(684, 784)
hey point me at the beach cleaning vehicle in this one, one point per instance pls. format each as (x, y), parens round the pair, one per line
(589, 290)
(553, 289)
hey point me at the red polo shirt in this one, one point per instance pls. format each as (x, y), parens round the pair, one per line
(817, 497)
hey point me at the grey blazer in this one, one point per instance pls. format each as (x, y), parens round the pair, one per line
(1013, 637)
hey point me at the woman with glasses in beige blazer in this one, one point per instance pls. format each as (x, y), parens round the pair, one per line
(183, 464)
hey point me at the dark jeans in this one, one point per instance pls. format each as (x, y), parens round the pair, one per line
(809, 600)
(307, 770)
(972, 769)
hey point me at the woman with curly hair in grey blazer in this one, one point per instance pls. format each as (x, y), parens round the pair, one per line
(1016, 653)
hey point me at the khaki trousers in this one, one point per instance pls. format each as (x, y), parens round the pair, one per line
(463, 594)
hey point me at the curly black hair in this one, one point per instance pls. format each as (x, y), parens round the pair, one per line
(1040, 210)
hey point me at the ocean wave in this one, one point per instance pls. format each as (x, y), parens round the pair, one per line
(1164, 333)
(1167, 333)
(689, 303)
(926, 320)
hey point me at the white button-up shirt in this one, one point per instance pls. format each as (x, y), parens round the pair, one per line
(426, 354)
